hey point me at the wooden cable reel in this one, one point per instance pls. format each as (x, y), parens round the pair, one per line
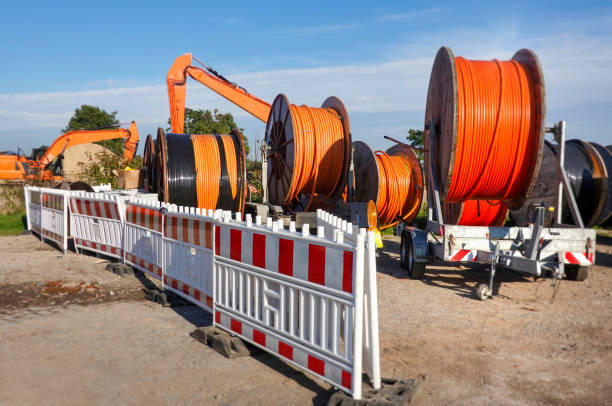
(308, 154)
(445, 111)
(370, 179)
(588, 178)
(149, 162)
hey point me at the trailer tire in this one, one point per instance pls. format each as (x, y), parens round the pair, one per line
(576, 273)
(416, 270)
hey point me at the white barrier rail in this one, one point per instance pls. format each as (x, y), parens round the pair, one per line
(33, 198)
(371, 345)
(47, 213)
(143, 244)
(297, 296)
(188, 254)
(97, 222)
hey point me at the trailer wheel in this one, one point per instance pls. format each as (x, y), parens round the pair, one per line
(483, 291)
(416, 270)
(576, 273)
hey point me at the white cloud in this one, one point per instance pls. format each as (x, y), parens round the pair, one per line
(412, 14)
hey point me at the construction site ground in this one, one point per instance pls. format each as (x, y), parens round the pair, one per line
(73, 333)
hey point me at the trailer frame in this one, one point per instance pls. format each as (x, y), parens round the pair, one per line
(556, 251)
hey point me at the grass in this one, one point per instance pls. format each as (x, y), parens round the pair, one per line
(11, 224)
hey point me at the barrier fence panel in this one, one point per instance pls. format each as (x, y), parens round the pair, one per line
(96, 222)
(188, 254)
(54, 216)
(371, 345)
(143, 239)
(33, 208)
(297, 296)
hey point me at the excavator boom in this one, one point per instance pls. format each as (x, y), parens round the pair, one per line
(76, 137)
(176, 80)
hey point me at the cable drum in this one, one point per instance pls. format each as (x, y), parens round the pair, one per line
(587, 176)
(206, 171)
(545, 191)
(308, 153)
(393, 180)
(606, 159)
(489, 121)
(149, 165)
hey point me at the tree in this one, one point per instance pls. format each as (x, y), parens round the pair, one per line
(215, 122)
(416, 139)
(93, 117)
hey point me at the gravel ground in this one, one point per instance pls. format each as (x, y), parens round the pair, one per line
(72, 333)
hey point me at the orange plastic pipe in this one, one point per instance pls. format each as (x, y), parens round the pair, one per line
(496, 130)
(176, 81)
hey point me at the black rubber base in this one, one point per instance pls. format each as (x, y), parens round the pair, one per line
(225, 344)
(393, 392)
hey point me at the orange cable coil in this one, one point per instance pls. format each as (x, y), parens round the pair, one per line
(499, 114)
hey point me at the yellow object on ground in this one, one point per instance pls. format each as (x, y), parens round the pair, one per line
(378, 238)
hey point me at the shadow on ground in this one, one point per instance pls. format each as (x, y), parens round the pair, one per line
(463, 278)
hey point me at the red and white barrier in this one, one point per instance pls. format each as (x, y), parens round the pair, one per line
(333, 226)
(298, 296)
(188, 254)
(47, 214)
(96, 222)
(578, 258)
(33, 199)
(142, 236)
(308, 299)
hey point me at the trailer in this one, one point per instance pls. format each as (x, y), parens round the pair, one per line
(558, 251)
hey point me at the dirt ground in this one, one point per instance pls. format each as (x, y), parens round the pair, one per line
(73, 333)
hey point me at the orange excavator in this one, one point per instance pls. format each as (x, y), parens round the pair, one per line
(19, 167)
(176, 81)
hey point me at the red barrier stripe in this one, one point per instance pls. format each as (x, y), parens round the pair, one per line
(208, 234)
(185, 229)
(316, 264)
(236, 326)
(217, 240)
(174, 226)
(235, 244)
(285, 256)
(259, 337)
(347, 271)
(196, 232)
(284, 350)
(316, 365)
(347, 379)
(259, 250)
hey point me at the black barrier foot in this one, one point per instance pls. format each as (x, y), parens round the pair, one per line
(225, 344)
(119, 269)
(153, 295)
(393, 392)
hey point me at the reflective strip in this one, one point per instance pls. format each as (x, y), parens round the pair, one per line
(464, 255)
(310, 361)
(579, 258)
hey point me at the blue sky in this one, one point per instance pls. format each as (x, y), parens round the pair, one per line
(376, 57)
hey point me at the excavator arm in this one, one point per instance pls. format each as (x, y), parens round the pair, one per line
(176, 80)
(76, 137)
